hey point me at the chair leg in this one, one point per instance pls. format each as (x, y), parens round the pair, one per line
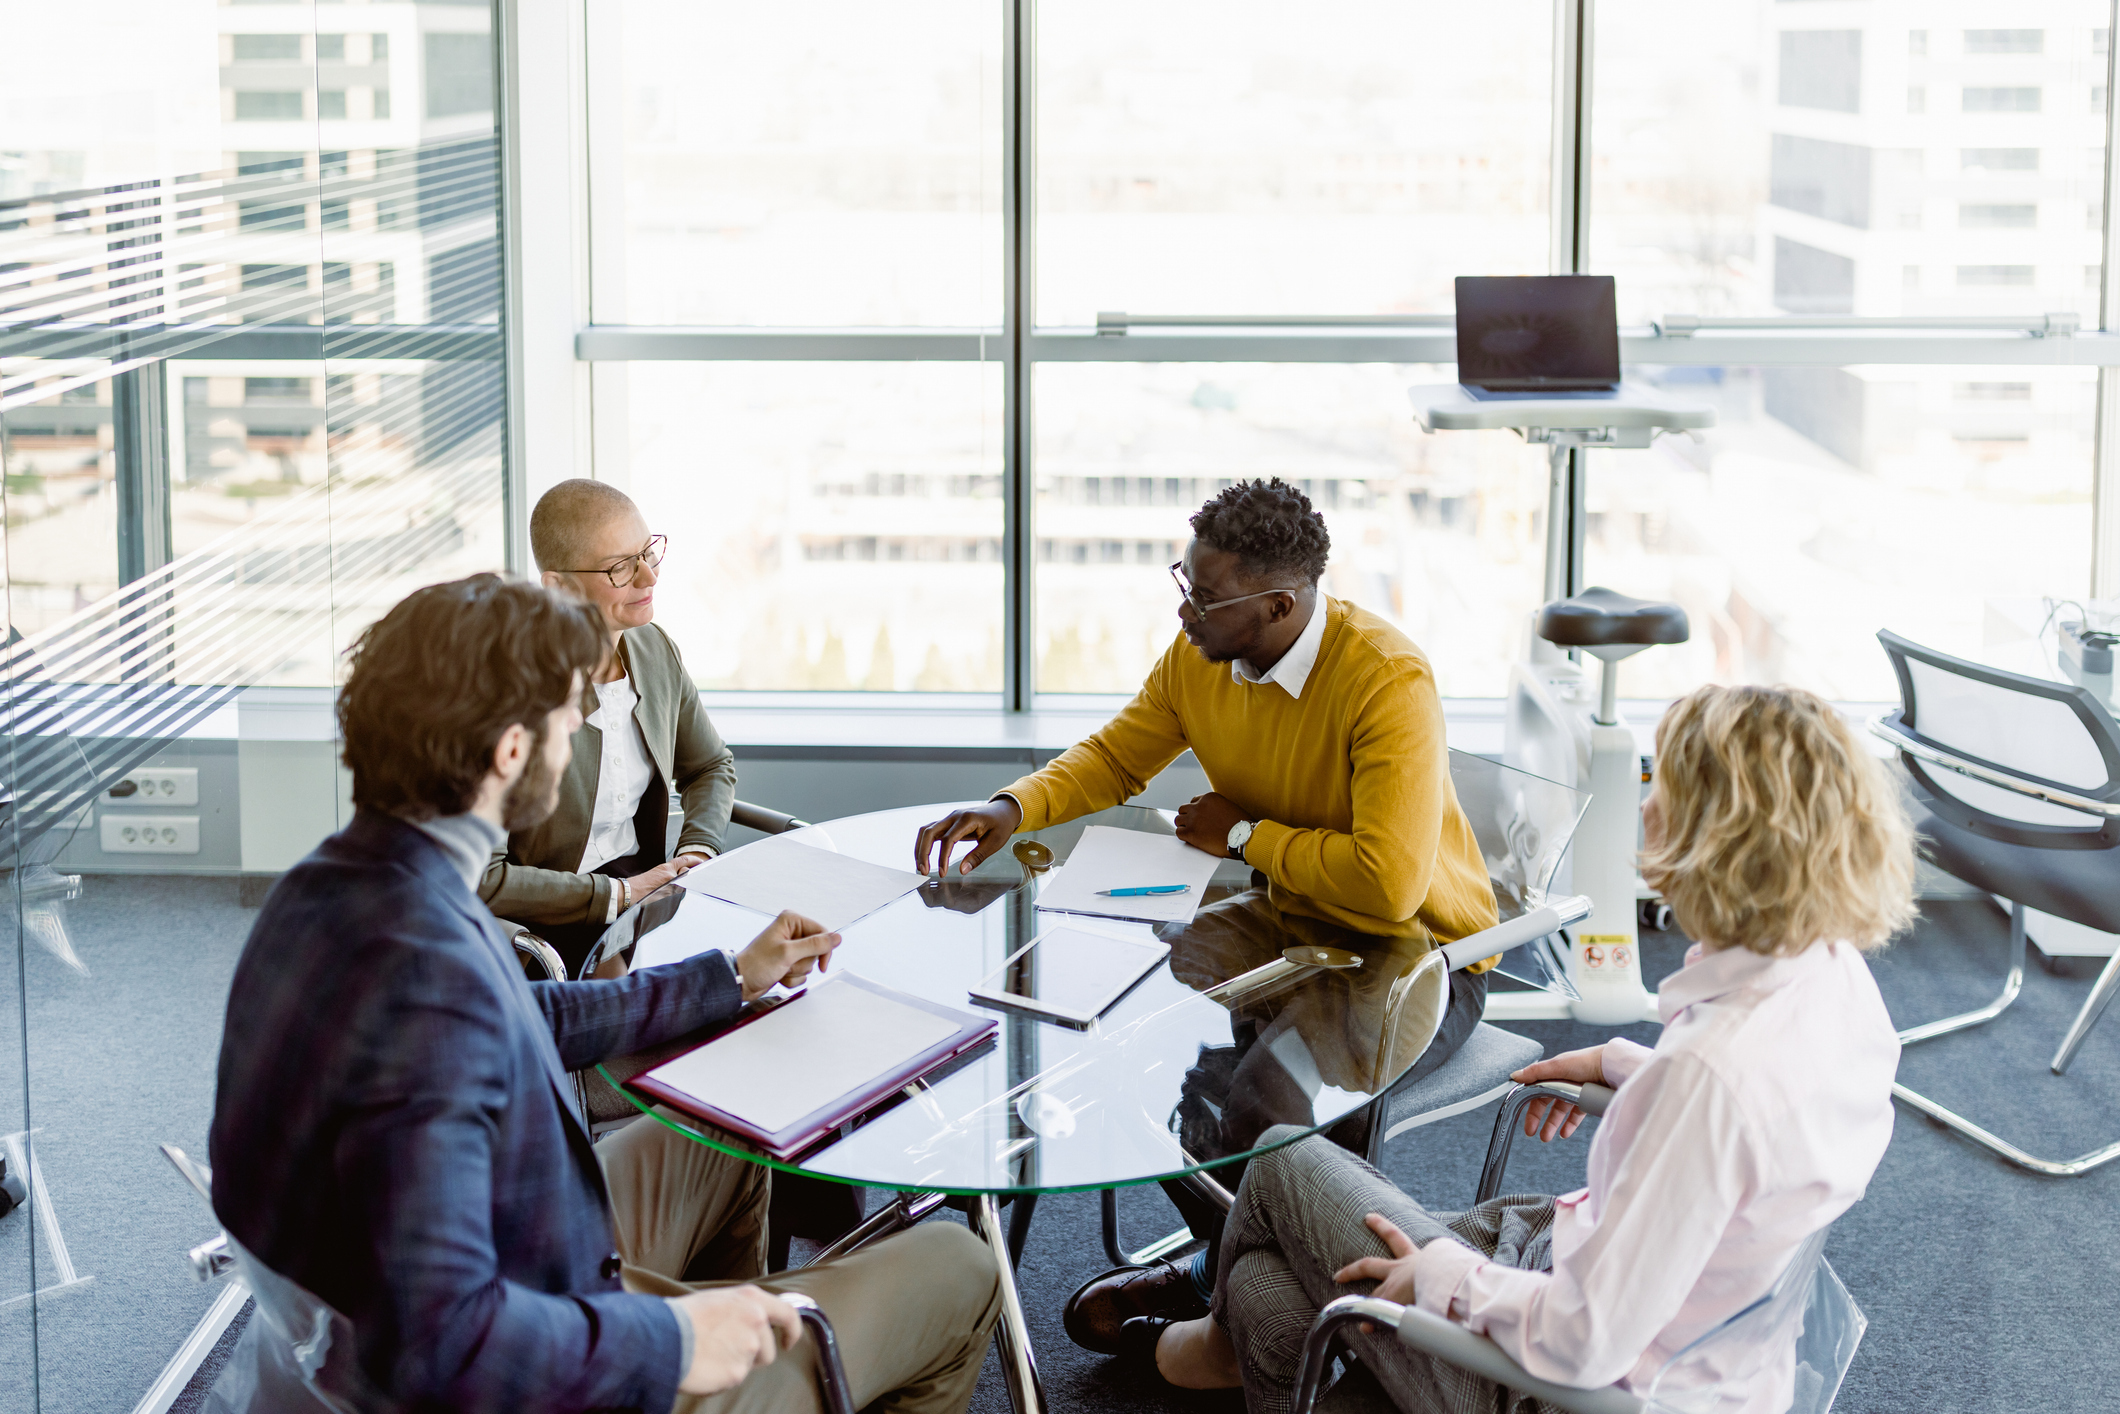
(1928, 1030)
(2052, 1168)
(2093, 1007)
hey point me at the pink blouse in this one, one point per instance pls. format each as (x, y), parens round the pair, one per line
(1757, 1120)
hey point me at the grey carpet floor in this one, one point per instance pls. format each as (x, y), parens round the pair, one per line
(1986, 1288)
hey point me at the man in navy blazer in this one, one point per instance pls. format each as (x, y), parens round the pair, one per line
(395, 1130)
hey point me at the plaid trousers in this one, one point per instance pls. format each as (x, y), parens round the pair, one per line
(1298, 1219)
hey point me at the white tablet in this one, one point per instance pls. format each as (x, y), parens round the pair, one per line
(1071, 973)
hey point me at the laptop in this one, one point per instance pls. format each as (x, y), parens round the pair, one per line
(1537, 334)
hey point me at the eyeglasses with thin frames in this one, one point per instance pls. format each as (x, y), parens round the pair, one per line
(627, 570)
(1192, 596)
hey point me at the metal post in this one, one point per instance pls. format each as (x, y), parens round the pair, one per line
(2105, 458)
(1572, 22)
(140, 445)
(1018, 308)
(1558, 481)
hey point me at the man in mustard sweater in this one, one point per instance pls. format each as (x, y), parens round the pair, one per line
(1321, 733)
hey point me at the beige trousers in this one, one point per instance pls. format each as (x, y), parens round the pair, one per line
(913, 1314)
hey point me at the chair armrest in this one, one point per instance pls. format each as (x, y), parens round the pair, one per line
(768, 822)
(1551, 917)
(1592, 1099)
(1883, 728)
(1419, 1330)
(831, 1370)
(530, 946)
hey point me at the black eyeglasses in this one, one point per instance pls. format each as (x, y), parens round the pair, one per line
(1192, 596)
(627, 570)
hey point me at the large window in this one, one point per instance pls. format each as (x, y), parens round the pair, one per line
(1188, 243)
(1249, 157)
(251, 394)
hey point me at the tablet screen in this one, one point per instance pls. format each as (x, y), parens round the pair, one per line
(1073, 970)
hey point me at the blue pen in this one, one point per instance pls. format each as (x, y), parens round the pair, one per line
(1137, 893)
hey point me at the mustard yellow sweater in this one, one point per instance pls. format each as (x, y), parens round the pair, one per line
(1358, 824)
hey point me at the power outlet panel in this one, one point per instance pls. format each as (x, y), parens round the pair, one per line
(150, 834)
(156, 785)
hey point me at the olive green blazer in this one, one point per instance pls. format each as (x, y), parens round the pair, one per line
(533, 881)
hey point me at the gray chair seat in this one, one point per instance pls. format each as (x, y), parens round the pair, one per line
(2076, 884)
(1476, 1076)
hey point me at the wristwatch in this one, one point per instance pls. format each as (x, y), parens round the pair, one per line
(1239, 836)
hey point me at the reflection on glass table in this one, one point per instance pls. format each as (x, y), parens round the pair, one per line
(1241, 1029)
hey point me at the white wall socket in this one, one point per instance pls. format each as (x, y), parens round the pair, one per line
(149, 834)
(156, 785)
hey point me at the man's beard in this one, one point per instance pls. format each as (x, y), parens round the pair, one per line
(535, 794)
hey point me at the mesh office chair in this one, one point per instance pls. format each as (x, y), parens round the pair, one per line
(2019, 783)
(1804, 1329)
(1523, 824)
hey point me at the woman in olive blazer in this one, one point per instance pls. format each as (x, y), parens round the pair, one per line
(590, 538)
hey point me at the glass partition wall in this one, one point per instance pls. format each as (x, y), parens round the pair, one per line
(251, 392)
(1195, 243)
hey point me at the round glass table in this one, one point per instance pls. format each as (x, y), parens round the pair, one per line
(1253, 1021)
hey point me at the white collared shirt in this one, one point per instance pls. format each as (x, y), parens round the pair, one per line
(623, 776)
(1294, 668)
(1757, 1120)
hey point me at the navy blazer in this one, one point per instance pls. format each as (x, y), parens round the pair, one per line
(395, 1130)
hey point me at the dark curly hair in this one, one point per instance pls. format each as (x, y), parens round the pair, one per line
(1269, 526)
(436, 681)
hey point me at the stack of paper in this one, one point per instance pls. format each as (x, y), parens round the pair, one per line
(1106, 858)
(777, 873)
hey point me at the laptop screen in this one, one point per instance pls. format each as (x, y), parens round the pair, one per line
(1528, 333)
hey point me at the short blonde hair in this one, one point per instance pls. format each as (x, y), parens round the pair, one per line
(1777, 829)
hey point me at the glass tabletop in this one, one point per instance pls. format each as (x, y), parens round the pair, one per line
(1221, 1042)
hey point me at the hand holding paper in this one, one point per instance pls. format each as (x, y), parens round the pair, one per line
(783, 954)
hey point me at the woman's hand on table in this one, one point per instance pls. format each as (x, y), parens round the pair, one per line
(987, 826)
(1550, 1118)
(784, 954)
(647, 883)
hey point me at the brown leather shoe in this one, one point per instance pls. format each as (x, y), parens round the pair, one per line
(1095, 1314)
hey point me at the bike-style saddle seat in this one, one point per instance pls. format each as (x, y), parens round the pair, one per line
(1600, 618)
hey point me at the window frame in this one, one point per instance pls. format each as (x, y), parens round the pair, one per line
(1020, 343)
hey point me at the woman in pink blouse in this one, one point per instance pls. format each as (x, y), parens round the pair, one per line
(1757, 1119)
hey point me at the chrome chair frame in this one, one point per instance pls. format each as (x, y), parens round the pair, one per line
(1459, 1346)
(1886, 729)
(213, 1258)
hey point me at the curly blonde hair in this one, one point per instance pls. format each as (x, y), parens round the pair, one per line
(1777, 830)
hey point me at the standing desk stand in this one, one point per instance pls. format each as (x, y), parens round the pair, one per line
(1551, 730)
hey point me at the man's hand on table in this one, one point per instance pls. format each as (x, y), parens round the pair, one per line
(1550, 1118)
(784, 953)
(735, 1330)
(987, 826)
(1204, 823)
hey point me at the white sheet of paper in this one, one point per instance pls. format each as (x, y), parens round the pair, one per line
(1108, 858)
(800, 1057)
(773, 874)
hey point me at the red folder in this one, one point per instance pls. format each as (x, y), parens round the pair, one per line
(787, 1143)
